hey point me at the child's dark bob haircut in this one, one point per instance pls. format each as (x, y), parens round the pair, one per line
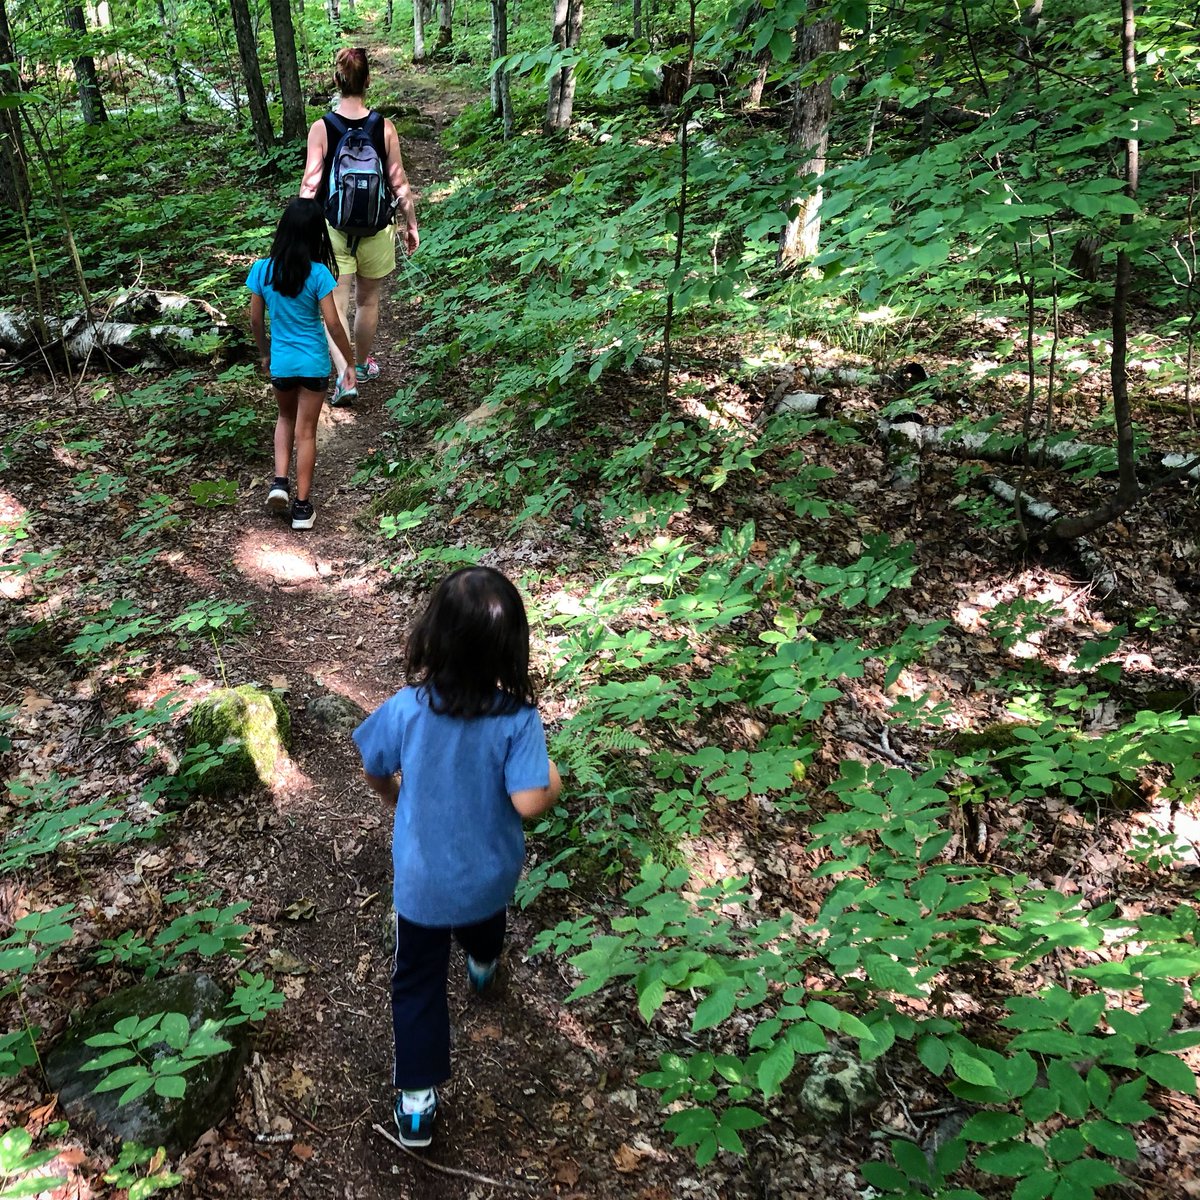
(472, 639)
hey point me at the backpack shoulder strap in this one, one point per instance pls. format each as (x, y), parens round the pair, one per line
(373, 119)
(337, 122)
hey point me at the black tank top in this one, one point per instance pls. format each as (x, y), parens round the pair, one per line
(333, 135)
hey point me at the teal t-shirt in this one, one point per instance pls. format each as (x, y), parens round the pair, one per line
(457, 842)
(298, 345)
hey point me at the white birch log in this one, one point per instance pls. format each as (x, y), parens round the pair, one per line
(1103, 576)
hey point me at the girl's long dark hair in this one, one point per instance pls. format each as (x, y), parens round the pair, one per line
(472, 639)
(301, 239)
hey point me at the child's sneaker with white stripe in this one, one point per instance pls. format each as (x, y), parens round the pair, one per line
(279, 497)
(415, 1114)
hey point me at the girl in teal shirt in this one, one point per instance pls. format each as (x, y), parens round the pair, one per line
(294, 287)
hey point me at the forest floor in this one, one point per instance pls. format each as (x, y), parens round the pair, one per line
(543, 1099)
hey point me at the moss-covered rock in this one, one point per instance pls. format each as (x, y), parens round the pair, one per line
(336, 714)
(991, 739)
(251, 726)
(151, 1120)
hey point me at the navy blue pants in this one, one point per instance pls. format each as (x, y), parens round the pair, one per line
(420, 1013)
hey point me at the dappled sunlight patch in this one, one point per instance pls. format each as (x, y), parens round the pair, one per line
(1018, 612)
(289, 783)
(265, 563)
(12, 512)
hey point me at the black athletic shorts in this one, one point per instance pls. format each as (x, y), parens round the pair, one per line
(289, 383)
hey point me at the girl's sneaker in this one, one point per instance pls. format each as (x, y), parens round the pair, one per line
(481, 976)
(279, 496)
(415, 1114)
(366, 371)
(342, 397)
(303, 514)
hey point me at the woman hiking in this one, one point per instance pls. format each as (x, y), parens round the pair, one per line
(367, 261)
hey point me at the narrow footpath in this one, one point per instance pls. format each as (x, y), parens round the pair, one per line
(538, 1105)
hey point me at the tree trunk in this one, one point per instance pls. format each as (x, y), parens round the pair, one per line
(809, 134)
(501, 97)
(422, 11)
(685, 109)
(295, 122)
(14, 178)
(1128, 491)
(333, 10)
(498, 11)
(568, 23)
(260, 118)
(637, 19)
(754, 93)
(168, 28)
(91, 102)
(445, 23)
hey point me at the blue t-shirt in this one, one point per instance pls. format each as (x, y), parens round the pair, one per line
(457, 843)
(298, 345)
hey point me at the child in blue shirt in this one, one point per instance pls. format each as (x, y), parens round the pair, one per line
(467, 742)
(295, 287)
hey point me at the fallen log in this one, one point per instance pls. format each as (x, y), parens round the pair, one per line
(148, 327)
(1102, 575)
(1006, 448)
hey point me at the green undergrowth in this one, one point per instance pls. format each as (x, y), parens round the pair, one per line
(711, 667)
(88, 563)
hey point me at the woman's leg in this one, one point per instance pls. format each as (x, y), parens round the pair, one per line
(366, 315)
(420, 1014)
(308, 410)
(285, 431)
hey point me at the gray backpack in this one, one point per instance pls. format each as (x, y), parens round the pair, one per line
(360, 202)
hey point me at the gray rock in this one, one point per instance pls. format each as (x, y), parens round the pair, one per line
(151, 1120)
(335, 714)
(838, 1087)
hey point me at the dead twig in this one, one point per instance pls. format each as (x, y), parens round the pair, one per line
(302, 1118)
(515, 1185)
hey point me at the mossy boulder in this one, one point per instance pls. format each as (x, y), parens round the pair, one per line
(251, 727)
(991, 739)
(150, 1119)
(336, 714)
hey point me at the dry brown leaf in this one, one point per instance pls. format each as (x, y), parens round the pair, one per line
(567, 1173)
(302, 1151)
(627, 1159)
(39, 1118)
(297, 1085)
(487, 1033)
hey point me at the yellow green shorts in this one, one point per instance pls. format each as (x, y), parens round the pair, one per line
(373, 257)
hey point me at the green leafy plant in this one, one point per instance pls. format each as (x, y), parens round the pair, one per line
(121, 623)
(133, 1058)
(208, 931)
(18, 1160)
(141, 1171)
(227, 617)
(213, 493)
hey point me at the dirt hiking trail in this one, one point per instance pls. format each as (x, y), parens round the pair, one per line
(537, 1105)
